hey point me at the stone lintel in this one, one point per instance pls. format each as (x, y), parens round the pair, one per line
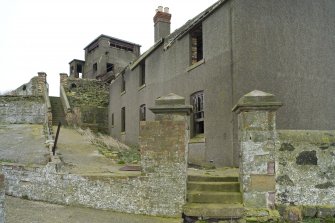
(257, 100)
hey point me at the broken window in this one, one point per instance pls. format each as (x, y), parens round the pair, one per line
(95, 67)
(196, 44)
(123, 119)
(110, 67)
(198, 112)
(142, 113)
(123, 83)
(142, 73)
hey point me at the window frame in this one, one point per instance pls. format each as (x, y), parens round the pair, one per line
(198, 117)
(196, 45)
(142, 113)
(142, 73)
(123, 119)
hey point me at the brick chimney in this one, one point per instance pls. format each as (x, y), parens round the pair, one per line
(162, 21)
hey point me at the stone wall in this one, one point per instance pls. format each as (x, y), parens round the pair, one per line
(88, 100)
(160, 189)
(292, 170)
(306, 170)
(22, 109)
(2, 198)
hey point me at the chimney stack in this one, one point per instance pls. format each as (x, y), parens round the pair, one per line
(162, 21)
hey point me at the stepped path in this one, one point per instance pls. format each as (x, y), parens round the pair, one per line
(214, 194)
(58, 114)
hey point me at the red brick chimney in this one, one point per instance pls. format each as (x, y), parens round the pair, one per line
(162, 21)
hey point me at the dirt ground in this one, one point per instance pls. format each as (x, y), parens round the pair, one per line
(25, 211)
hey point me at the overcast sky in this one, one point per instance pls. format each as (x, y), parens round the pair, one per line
(45, 35)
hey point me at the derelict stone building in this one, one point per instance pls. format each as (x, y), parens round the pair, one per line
(285, 47)
(104, 57)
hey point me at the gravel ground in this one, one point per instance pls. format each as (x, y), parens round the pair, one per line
(25, 211)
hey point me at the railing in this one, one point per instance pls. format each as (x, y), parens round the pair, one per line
(56, 139)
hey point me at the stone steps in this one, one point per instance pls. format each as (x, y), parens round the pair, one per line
(203, 178)
(225, 211)
(57, 111)
(213, 196)
(214, 186)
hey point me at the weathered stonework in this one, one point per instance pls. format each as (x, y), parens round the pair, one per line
(257, 135)
(159, 190)
(2, 198)
(88, 102)
(22, 109)
(306, 175)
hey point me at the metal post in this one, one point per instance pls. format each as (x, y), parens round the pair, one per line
(56, 139)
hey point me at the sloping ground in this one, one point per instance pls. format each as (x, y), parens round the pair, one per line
(23, 143)
(80, 156)
(40, 212)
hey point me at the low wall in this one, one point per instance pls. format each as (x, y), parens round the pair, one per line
(138, 195)
(22, 109)
(306, 167)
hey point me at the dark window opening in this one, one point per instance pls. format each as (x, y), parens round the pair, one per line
(24, 87)
(198, 112)
(79, 68)
(95, 67)
(142, 113)
(72, 70)
(142, 73)
(123, 83)
(73, 85)
(110, 67)
(123, 46)
(92, 47)
(196, 45)
(112, 119)
(123, 119)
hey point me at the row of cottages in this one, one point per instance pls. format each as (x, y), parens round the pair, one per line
(286, 47)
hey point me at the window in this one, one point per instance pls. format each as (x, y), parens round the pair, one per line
(95, 67)
(112, 119)
(79, 68)
(142, 73)
(72, 70)
(123, 119)
(109, 67)
(123, 83)
(142, 113)
(196, 45)
(198, 112)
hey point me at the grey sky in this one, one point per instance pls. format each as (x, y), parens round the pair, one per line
(45, 35)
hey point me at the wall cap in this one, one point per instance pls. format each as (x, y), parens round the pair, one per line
(171, 103)
(257, 100)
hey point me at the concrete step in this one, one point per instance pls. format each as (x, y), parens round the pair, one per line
(221, 211)
(203, 178)
(214, 197)
(213, 186)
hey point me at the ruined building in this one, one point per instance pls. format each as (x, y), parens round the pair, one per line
(231, 48)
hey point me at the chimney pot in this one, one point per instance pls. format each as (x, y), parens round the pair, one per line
(166, 9)
(160, 8)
